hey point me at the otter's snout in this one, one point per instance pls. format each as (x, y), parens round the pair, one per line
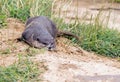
(51, 45)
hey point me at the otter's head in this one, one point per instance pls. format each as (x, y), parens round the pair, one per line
(39, 39)
(41, 42)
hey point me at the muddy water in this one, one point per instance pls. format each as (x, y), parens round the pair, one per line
(88, 10)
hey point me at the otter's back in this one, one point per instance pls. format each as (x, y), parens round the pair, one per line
(44, 23)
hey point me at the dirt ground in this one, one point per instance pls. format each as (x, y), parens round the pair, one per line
(68, 64)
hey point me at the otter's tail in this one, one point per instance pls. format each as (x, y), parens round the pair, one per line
(66, 33)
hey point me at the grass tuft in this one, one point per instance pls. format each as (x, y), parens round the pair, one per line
(23, 9)
(97, 38)
(22, 71)
(2, 20)
(118, 1)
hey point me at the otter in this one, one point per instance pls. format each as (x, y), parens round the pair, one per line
(41, 32)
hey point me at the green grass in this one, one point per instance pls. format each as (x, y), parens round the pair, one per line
(114, 1)
(23, 9)
(96, 38)
(31, 51)
(118, 1)
(22, 71)
(6, 51)
(2, 20)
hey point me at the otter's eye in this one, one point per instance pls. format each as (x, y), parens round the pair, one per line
(44, 43)
(38, 39)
